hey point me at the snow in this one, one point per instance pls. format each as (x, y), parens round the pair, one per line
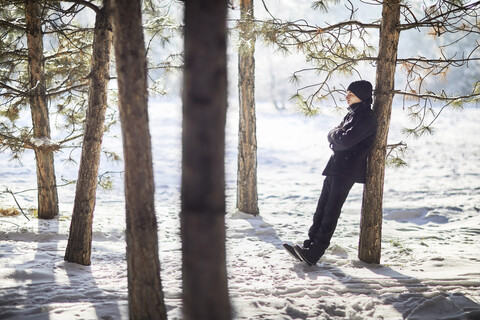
(430, 266)
(43, 141)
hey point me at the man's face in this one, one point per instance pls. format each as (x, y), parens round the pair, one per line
(351, 98)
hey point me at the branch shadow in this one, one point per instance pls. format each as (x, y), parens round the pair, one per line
(413, 298)
(260, 229)
(46, 284)
(417, 301)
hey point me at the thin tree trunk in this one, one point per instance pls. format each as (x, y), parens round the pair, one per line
(79, 245)
(247, 196)
(372, 209)
(144, 285)
(46, 182)
(205, 290)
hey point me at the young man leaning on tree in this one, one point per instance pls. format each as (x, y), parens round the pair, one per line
(351, 142)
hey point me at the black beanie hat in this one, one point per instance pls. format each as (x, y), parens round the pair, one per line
(362, 89)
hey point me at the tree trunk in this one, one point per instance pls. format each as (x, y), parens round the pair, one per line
(46, 182)
(372, 211)
(144, 285)
(205, 290)
(80, 240)
(247, 196)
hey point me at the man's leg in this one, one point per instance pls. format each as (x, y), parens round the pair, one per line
(322, 201)
(339, 189)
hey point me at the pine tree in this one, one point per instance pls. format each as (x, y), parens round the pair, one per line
(79, 245)
(144, 284)
(372, 212)
(46, 181)
(50, 79)
(247, 195)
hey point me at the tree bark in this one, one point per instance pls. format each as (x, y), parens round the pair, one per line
(372, 208)
(146, 299)
(79, 245)
(205, 290)
(247, 195)
(46, 181)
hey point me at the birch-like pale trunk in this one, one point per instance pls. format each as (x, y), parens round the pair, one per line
(247, 194)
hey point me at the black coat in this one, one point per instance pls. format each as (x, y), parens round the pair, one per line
(351, 141)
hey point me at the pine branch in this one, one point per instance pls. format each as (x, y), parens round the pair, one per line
(18, 205)
(443, 17)
(70, 139)
(458, 62)
(8, 24)
(3, 85)
(443, 97)
(85, 3)
(53, 93)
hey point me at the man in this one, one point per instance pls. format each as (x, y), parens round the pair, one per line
(351, 142)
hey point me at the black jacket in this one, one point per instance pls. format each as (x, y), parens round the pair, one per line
(351, 141)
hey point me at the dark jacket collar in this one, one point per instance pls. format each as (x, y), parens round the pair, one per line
(357, 107)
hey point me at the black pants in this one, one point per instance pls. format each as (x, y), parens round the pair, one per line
(334, 193)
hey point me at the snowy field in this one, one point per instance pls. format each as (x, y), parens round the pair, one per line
(430, 265)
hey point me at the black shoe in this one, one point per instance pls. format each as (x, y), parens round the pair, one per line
(307, 243)
(292, 252)
(303, 253)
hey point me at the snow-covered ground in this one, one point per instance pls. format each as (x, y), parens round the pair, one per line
(430, 265)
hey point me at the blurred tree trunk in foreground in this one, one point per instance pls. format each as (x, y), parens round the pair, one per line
(145, 294)
(205, 290)
(247, 195)
(46, 181)
(79, 245)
